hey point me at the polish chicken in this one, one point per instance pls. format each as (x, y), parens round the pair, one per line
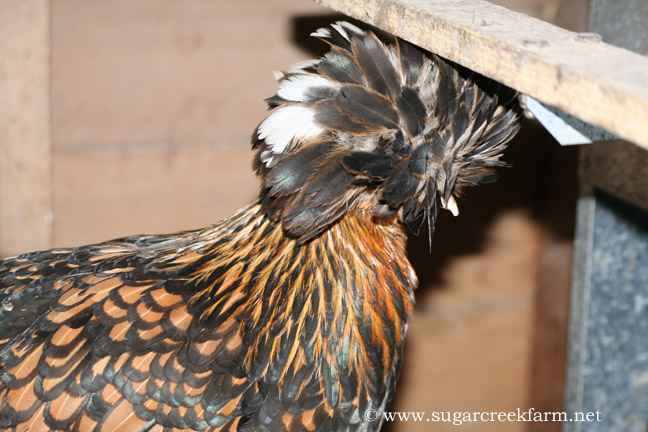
(291, 314)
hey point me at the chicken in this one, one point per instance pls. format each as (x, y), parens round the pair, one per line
(291, 314)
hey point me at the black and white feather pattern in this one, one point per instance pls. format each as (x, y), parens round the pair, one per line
(389, 129)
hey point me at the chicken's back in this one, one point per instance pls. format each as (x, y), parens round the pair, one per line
(30, 283)
(89, 336)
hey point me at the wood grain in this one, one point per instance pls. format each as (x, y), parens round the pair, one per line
(25, 146)
(599, 83)
(115, 192)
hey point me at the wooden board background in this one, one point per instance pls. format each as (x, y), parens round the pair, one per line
(25, 133)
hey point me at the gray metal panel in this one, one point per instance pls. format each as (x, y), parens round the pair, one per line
(622, 23)
(608, 336)
(608, 363)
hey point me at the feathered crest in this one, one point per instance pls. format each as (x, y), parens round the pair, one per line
(391, 130)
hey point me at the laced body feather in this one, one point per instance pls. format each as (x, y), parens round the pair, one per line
(233, 326)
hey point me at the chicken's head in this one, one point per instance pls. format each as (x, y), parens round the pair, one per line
(389, 130)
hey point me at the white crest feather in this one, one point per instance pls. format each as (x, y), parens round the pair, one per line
(346, 29)
(288, 123)
(294, 88)
(304, 64)
(322, 33)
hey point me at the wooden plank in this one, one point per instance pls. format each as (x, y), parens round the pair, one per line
(599, 83)
(112, 192)
(151, 71)
(25, 146)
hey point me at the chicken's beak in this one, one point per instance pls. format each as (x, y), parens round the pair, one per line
(450, 204)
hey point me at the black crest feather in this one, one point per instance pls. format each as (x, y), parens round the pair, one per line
(388, 127)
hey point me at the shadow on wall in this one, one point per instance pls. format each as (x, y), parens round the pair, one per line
(525, 184)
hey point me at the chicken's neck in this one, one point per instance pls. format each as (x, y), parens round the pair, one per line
(337, 305)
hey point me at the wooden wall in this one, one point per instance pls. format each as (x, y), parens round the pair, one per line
(25, 134)
(153, 106)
